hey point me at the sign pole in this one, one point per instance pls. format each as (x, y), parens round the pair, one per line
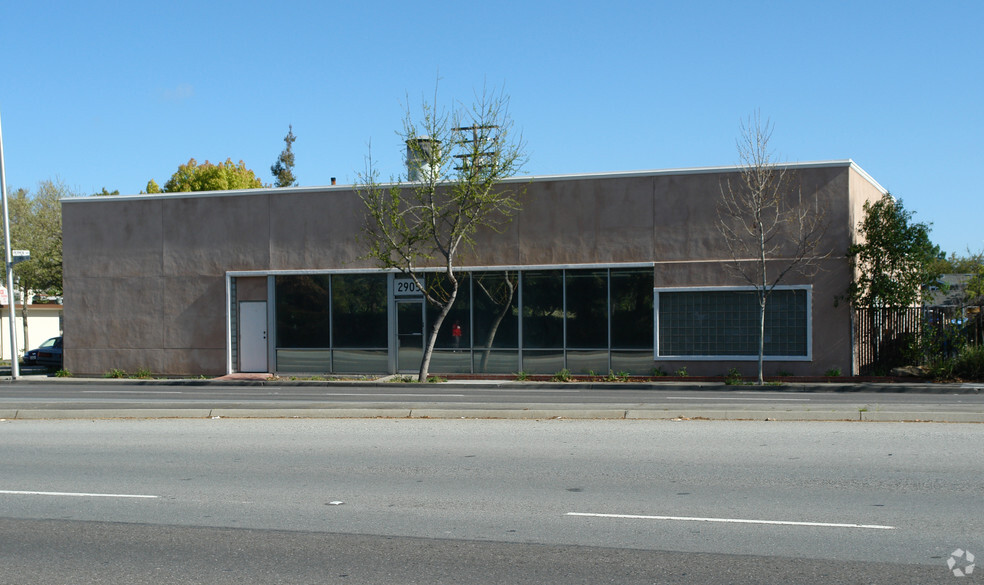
(14, 371)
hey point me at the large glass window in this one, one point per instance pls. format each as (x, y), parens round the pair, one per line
(632, 308)
(726, 323)
(541, 320)
(359, 305)
(455, 331)
(496, 309)
(543, 309)
(302, 311)
(587, 309)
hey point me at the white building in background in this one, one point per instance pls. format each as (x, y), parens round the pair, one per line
(44, 320)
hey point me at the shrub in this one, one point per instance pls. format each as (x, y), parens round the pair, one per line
(969, 363)
(682, 372)
(833, 373)
(563, 375)
(63, 373)
(734, 377)
(522, 376)
(116, 373)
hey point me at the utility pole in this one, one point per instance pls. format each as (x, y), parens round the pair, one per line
(14, 372)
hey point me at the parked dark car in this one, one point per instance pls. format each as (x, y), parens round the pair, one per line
(48, 354)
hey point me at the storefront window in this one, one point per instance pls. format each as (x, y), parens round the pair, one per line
(359, 307)
(496, 311)
(632, 308)
(587, 309)
(543, 309)
(303, 311)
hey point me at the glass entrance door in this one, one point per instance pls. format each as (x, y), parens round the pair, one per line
(410, 335)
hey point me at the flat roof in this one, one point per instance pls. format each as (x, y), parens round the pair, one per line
(524, 179)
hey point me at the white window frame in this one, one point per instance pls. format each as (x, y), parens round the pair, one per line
(734, 358)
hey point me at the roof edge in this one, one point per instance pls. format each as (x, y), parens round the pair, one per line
(524, 179)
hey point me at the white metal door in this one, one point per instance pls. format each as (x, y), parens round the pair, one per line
(253, 336)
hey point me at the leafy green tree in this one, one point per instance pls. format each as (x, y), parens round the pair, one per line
(894, 258)
(153, 187)
(975, 287)
(105, 193)
(456, 161)
(283, 169)
(208, 177)
(35, 225)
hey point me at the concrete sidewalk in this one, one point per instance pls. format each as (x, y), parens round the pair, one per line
(691, 406)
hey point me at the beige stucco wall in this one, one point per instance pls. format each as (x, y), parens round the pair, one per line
(145, 276)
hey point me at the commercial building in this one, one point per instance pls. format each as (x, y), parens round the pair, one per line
(624, 272)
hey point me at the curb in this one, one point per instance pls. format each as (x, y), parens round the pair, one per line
(678, 414)
(792, 387)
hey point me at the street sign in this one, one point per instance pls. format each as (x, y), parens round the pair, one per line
(20, 256)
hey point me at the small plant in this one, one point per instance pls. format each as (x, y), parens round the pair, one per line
(783, 374)
(116, 373)
(969, 363)
(563, 375)
(436, 380)
(617, 376)
(833, 373)
(734, 377)
(143, 374)
(659, 372)
(522, 376)
(682, 372)
(63, 373)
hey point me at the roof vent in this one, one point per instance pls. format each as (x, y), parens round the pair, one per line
(423, 153)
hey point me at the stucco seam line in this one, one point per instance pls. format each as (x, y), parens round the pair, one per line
(732, 260)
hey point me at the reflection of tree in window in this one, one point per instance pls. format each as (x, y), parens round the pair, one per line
(439, 287)
(494, 296)
(359, 310)
(632, 308)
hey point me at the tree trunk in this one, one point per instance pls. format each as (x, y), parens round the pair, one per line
(27, 342)
(432, 338)
(761, 356)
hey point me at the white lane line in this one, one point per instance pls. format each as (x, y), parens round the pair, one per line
(74, 494)
(739, 399)
(397, 394)
(733, 521)
(132, 392)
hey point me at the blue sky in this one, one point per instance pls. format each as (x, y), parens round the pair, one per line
(112, 94)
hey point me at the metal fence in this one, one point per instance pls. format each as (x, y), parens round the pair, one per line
(886, 338)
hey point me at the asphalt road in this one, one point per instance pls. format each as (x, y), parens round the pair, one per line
(486, 501)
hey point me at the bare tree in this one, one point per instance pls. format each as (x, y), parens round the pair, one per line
(456, 161)
(771, 231)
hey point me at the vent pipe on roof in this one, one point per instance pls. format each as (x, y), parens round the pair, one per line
(423, 154)
(333, 180)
